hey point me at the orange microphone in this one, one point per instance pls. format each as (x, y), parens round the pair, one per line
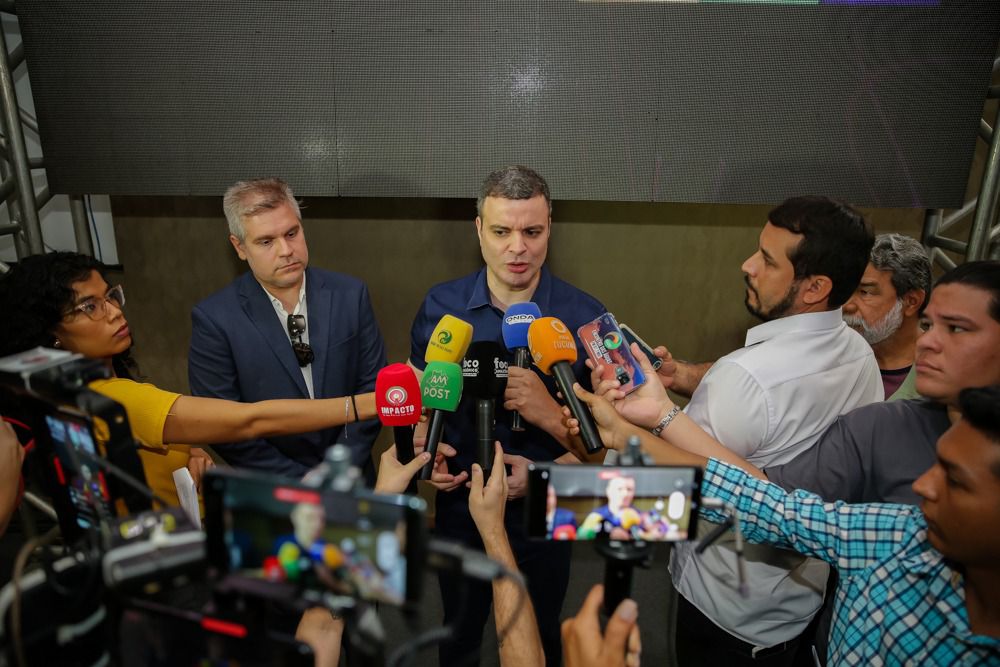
(553, 350)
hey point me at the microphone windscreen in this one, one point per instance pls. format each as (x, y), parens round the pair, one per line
(484, 370)
(550, 342)
(441, 386)
(397, 396)
(449, 340)
(515, 324)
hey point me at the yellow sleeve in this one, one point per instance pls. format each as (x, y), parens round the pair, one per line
(147, 407)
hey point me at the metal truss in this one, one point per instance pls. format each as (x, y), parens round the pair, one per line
(17, 188)
(984, 232)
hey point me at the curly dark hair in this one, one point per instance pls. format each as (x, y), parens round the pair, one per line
(35, 295)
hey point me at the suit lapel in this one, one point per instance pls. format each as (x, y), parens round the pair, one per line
(318, 299)
(258, 308)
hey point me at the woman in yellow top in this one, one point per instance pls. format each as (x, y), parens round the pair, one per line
(62, 300)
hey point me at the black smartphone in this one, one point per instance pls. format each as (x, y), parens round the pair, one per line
(633, 337)
(624, 503)
(279, 539)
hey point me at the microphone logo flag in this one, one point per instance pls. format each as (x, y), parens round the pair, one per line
(445, 337)
(558, 326)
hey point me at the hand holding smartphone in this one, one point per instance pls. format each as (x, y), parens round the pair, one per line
(606, 345)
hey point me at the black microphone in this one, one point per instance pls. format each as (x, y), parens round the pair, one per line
(484, 375)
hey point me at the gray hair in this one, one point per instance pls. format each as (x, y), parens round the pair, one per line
(513, 182)
(907, 262)
(249, 198)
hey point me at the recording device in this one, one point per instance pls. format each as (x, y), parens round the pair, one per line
(607, 346)
(286, 541)
(86, 459)
(619, 503)
(448, 342)
(647, 350)
(484, 374)
(441, 392)
(553, 350)
(514, 328)
(397, 401)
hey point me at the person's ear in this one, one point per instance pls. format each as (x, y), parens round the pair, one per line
(238, 245)
(912, 301)
(815, 289)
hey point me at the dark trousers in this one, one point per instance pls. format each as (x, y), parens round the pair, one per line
(699, 642)
(467, 604)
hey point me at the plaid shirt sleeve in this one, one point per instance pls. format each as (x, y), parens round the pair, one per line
(850, 537)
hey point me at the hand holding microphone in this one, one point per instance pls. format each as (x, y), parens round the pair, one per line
(448, 343)
(441, 392)
(514, 328)
(553, 350)
(397, 402)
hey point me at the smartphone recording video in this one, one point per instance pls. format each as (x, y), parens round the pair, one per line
(584, 502)
(280, 539)
(607, 346)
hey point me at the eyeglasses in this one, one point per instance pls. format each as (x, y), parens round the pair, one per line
(297, 327)
(97, 308)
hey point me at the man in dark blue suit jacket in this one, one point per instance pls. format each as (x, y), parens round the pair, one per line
(283, 330)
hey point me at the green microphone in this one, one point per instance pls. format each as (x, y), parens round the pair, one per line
(440, 391)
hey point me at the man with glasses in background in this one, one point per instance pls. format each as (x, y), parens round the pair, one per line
(283, 330)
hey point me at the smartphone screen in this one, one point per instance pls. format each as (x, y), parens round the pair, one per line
(587, 502)
(78, 485)
(606, 345)
(278, 539)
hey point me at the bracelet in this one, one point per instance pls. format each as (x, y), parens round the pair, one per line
(665, 422)
(355, 406)
(347, 411)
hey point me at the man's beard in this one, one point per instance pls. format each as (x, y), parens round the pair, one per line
(776, 311)
(881, 330)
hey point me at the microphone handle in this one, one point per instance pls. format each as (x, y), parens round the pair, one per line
(484, 435)
(404, 450)
(434, 432)
(617, 584)
(521, 361)
(563, 373)
(403, 435)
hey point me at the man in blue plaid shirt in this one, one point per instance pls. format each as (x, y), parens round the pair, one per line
(918, 586)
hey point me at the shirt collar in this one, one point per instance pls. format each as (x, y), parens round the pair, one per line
(827, 319)
(481, 291)
(277, 302)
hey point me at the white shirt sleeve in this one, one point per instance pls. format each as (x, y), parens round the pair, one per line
(732, 407)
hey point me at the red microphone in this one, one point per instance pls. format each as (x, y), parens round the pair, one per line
(397, 402)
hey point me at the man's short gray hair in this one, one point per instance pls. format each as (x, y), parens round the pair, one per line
(513, 182)
(248, 198)
(907, 262)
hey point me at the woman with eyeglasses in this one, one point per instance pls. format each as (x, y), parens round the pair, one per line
(62, 300)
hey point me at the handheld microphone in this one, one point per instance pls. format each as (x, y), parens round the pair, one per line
(484, 371)
(553, 350)
(440, 391)
(515, 325)
(397, 402)
(449, 340)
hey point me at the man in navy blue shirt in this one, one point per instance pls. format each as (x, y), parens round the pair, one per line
(514, 223)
